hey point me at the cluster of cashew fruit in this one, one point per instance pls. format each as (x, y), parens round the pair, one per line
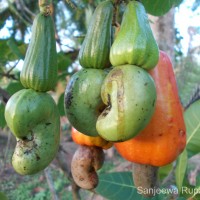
(31, 113)
(126, 94)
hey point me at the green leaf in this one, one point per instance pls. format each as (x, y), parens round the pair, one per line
(2, 118)
(119, 185)
(14, 87)
(14, 48)
(164, 171)
(3, 196)
(159, 7)
(61, 105)
(63, 62)
(181, 169)
(192, 120)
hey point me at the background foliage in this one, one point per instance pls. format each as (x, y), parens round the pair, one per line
(71, 21)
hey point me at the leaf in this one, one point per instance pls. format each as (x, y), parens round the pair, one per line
(181, 169)
(3, 196)
(14, 48)
(2, 118)
(192, 121)
(14, 87)
(119, 186)
(159, 7)
(61, 105)
(63, 61)
(164, 171)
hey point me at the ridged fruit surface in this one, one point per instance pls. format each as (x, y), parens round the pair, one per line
(39, 71)
(94, 52)
(135, 43)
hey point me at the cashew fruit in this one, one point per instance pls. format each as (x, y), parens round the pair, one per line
(85, 162)
(82, 139)
(130, 95)
(83, 102)
(39, 71)
(135, 43)
(94, 52)
(34, 119)
(164, 138)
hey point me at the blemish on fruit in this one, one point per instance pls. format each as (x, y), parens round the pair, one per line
(153, 104)
(181, 133)
(68, 99)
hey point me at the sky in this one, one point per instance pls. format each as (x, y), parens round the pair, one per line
(185, 17)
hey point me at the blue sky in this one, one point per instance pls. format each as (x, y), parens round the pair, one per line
(186, 17)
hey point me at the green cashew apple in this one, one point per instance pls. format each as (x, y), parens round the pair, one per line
(130, 94)
(83, 102)
(34, 119)
(135, 43)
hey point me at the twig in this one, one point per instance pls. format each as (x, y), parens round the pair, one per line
(26, 9)
(66, 170)
(12, 9)
(50, 183)
(13, 67)
(11, 76)
(116, 13)
(72, 4)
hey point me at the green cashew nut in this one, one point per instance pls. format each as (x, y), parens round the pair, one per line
(34, 119)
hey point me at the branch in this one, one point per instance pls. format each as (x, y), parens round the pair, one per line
(63, 166)
(26, 9)
(12, 9)
(72, 4)
(11, 76)
(5, 95)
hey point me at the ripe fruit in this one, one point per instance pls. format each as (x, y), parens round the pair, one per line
(82, 139)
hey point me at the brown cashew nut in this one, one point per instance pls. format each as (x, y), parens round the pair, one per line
(85, 162)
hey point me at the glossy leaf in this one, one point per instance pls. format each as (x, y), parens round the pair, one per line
(2, 118)
(181, 169)
(3, 196)
(192, 120)
(159, 7)
(64, 62)
(14, 48)
(164, 171)
(61, 105)
(13, 87)
(119, 185)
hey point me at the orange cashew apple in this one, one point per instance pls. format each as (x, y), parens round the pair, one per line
(164, 138)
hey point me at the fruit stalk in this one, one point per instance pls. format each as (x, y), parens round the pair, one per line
(45, 7)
